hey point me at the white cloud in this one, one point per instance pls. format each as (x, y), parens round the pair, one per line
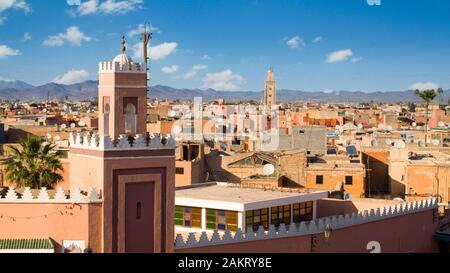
(125, 6)
(318, 39)
(295, 42)
(140, 29)
(206, 57)
(163, 50)
(72, 36)
(423, 86)
(170, 69)
(6, 51)
(73, 2)
(106, 7)
(27, 37)
(157, 52)
(71, 77)
(194, 71)
(339, 56)
(225, 80)
(13, 4)
(88, 7)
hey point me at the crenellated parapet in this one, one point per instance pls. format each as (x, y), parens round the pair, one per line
(105, 67)
(93, 141)
(43, 196)
(304, 228)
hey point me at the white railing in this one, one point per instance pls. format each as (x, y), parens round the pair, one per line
(117, 67)
(96, 142)
(312, 227)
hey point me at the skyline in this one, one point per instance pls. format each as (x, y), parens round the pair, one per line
(312, 45)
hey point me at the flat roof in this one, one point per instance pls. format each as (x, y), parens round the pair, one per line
(228, 196)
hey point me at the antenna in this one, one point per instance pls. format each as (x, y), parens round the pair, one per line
(146, 37)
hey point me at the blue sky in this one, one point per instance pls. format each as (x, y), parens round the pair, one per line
(313, 45)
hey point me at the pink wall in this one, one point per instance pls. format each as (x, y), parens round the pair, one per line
(62, 222)
(408, 233)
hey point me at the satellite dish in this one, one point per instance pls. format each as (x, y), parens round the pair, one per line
(419, 127)
(441, 124)
(45, 110)
(268, 169)
(63, 126)
(224, 146)
(435, 142)
(351, 150)
(172, 114)
(414, 124)
(374, 143)
(360, 126)
(400, 144)
(177, 129)
(72, 125)
(81, 123)
(388, 141)
(348, 196)
(421, 143)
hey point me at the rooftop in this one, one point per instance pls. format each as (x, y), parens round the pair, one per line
(236, 197)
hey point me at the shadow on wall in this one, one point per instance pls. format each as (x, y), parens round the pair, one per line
(213, 163)
(15, 135)
(377, 178)
(330, 207)
(398, 189)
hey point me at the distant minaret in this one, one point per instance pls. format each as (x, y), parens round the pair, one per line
(270, 90)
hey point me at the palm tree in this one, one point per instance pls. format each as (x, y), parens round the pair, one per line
(34, 164)
(427, 96)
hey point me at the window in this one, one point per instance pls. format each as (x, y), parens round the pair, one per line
(188, 217)
(281, 215)
(319, 179)
(221, 220)
(130, 119)
(256, 218)
(303, 212)
(138, 210)
(349, 180)
(179, 170)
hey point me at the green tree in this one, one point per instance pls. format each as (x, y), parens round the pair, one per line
(427, 96)
(33, 164)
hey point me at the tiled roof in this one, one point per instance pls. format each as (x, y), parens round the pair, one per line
(26, 244)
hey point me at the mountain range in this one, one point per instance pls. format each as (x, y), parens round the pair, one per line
(12, 90)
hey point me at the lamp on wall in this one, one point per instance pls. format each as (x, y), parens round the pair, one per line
(327, 232)
(88, 250)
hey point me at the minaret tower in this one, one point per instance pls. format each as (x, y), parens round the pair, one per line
(122, 96)
(134, 174)
(270, 90)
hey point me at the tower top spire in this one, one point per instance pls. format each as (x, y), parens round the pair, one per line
(124, 48)
(270, 76)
